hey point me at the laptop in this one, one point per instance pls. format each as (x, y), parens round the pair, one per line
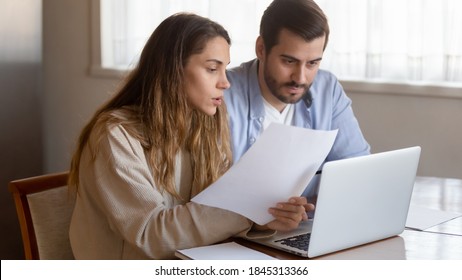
(360, 200)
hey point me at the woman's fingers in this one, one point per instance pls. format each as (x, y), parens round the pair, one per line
(294, 212)
(288, 215)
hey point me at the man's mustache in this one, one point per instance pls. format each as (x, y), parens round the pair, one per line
(295, 85)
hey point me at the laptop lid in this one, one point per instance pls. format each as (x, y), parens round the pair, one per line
(363, 199)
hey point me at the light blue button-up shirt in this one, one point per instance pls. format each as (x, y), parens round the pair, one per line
(330, 109)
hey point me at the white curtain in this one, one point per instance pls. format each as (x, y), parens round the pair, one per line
(383, 40)
(126, 25)
(395, 40)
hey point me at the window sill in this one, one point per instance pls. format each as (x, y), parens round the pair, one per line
(97, 71)
(404, 89)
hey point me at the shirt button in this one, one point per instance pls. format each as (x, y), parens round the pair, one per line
(252, 140)
(260, 119)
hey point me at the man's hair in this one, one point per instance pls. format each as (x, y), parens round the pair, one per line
(302, 17)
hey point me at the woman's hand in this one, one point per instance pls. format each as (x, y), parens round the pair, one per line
(288, 215)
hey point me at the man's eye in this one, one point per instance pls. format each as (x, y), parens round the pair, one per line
(312, 64)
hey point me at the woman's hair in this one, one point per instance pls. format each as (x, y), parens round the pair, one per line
(302, 17)
(152, 106)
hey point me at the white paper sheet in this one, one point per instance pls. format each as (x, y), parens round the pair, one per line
(279, 165)
(223, 251)
(421, 218)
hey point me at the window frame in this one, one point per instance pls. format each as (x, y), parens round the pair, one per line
(96, 68)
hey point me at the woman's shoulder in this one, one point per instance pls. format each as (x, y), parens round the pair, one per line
(121, 123)
(127, 115)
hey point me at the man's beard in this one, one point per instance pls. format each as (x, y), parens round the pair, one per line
(274, 88)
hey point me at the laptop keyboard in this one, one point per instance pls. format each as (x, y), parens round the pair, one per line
(299, 241)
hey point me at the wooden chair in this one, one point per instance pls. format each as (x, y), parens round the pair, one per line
(44, 209)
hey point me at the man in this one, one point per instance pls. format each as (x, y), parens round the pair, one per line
(284, 84)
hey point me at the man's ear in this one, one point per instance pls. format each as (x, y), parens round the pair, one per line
(260, 48)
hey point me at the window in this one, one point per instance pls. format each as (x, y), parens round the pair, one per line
(376, 40)
(126, 25)
(395, 40)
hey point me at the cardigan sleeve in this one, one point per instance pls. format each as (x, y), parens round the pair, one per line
(143, 216)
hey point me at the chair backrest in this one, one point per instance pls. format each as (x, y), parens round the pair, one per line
(44, 208)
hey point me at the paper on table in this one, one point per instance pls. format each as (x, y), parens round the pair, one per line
(421, 218)
(222, 251)
(279, 165)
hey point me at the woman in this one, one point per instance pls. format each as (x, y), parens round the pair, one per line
(159, 141)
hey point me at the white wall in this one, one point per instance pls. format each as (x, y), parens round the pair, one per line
(20, 111)
(391, 121)
(71, 96)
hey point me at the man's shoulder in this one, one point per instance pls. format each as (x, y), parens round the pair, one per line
(325, 82)
(326, 87)
(325, 76)
(243, 80)
(240, 72)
